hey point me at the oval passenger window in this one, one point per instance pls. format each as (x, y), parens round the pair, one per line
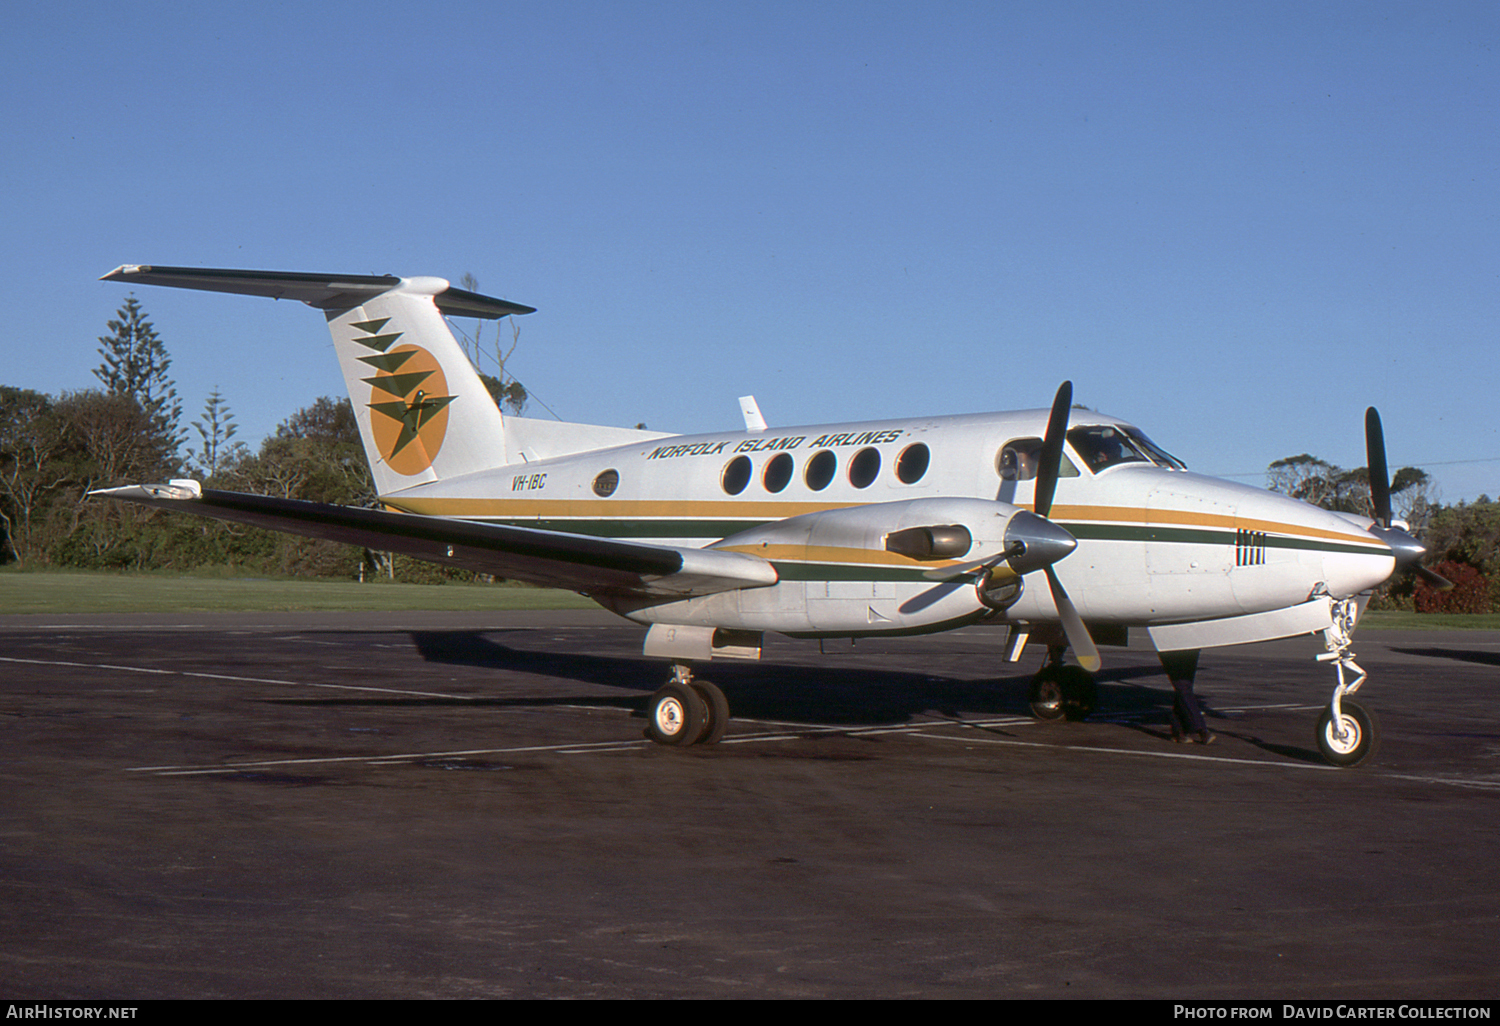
(736, 475)
(864, 467)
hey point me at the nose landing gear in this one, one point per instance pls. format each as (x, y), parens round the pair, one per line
(1347, 734)
(1061, 690)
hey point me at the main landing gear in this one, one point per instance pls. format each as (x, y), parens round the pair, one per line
(685, 711)
(1061, 690)
(1347, 734)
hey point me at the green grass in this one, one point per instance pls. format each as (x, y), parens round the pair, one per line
(1391, 620)
(81, 592)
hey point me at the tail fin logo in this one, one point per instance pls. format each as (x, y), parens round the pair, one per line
(408, 399)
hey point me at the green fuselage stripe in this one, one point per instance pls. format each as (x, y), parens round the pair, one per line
(714, 530)
(1202, 536)
(845, 572)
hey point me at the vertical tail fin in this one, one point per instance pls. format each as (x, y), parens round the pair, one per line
(424, 414)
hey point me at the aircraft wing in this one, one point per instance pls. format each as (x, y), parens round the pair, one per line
(552, 559)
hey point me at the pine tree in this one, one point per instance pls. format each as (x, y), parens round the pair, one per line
(135, 364)
(217, 429)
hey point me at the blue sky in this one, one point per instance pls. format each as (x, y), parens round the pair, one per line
(1235, 224)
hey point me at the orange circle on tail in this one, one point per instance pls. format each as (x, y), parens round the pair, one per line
(409, 411)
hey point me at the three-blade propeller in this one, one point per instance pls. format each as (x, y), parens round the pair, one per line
(1407, 550)
(1046, 487)
(1033, 542)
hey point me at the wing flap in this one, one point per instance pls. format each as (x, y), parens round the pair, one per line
(553, 559)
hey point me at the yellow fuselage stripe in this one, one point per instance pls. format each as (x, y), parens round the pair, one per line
(735, 510)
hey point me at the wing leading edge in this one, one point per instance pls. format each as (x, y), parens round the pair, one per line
(553, 559)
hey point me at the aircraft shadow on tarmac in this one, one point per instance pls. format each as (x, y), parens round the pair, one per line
(791, 693)
(788, 692)
(1485, 658)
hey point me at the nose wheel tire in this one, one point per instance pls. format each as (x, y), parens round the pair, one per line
(1356, 742)
(1060, 691)
(1046, 698)
(676, 716)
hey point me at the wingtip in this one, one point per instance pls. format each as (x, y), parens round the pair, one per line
(180, 489)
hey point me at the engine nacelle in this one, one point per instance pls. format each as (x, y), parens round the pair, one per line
(864, 570)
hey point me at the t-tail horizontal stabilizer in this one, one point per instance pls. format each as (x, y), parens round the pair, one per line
(324, 291)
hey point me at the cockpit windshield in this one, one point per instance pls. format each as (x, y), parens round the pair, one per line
(1158, 455)
(1104, 445)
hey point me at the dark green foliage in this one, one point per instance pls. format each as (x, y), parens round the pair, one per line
(1470, 592)
(1466, 536)
(54, 450)
(1324, 484)
(135, 364)
(511, 397)
(31, 469)
(218, 450)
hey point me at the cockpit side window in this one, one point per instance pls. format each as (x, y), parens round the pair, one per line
(1103, 446)
(1019, 459)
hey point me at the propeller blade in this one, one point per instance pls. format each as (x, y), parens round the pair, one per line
(1380, 481)
(957, 570)
(1407, 549)
(1434, 580)
(1051, 458)
(1078, 634)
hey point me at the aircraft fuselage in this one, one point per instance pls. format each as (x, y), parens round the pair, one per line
(1156, 544)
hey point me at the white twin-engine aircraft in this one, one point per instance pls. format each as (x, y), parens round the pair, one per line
(1064, 526)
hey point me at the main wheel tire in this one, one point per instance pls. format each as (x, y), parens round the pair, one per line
(1361, 735)
(1080, 693)
(676, 715)
(1046, 699)
(717, 719)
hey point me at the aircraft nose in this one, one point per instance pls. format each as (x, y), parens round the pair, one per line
(1407, 550)
(1043, 542)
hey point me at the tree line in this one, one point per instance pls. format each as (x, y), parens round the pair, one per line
(1462, 540)
(55, 449)
(129, 430)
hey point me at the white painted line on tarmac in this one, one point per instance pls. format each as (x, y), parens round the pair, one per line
(566, 748)
(392, 758)
(1484, 785)
(241, 680)
(792, 732)
(1128, 751)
